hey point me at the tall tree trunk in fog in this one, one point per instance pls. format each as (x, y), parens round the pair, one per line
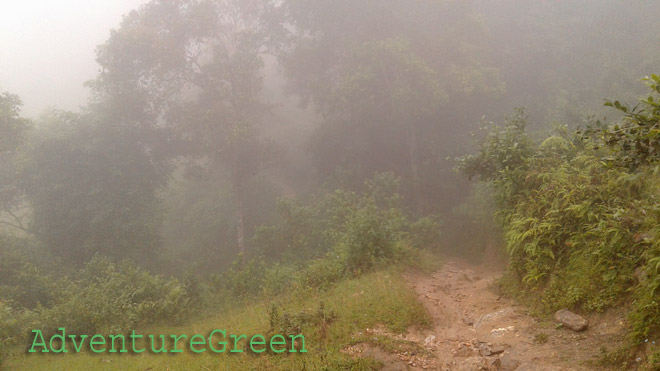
(413, 144)
(240, 217)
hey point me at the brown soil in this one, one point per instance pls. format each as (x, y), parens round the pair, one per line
(475, 329)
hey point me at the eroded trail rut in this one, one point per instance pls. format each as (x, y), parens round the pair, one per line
(475, 329)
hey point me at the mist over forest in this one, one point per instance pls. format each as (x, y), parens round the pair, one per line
(239, 152)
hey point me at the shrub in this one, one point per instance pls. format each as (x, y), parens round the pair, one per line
(245, 279)
(635, 140)
(502, 150)
(23, 284)
(579, 225)
(362, 228)
(426, 233)
(321, 273)
(370, 236)
(279, 278)
(116, 297)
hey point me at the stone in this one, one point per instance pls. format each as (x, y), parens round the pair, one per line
(571, 320)
(494, 364)
(474, 363)
(496, 349)
(507, 363)
(641, 275)
(484, 350)
(493, 317)
(487, 349)
(499, 332)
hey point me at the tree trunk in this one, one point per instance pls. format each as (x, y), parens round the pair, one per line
(414, 171)
(240, 220)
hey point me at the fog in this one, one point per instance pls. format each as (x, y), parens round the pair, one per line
(47, 48)
(206, 152)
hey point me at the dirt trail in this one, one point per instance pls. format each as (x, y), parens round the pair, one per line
(475, 329)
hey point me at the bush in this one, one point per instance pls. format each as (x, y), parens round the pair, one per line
(635, 141)
(370, 236)
(322, 273)
(426, 233)
(279, 278)
(362, 228)
(503, 149)
(104, 297)
(301, 233)
(245, 279)
(581, 226)
(646, 313)
(116, 297)
(23, 284)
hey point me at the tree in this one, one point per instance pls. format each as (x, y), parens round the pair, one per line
(383, 103)
(13, 133)
(92, 186)
(194, 67)
(394, 81)
(546, 50)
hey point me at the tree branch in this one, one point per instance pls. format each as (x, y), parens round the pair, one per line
(15, 226)
(19, 222)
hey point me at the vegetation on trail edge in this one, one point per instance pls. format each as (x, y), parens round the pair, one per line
(580, 214)
(329, 319)
(337, 238)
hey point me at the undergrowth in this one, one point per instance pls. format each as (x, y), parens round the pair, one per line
(330, 320)
(580, 215)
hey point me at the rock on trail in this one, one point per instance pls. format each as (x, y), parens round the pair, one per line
(475, 329)
(571, 320)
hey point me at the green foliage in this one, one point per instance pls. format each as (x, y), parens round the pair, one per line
(653, 361)
(555, 146)
(541, 338)
(23, 283)
(362, 227)
(200, 223)
(350, 306)
(293, 324)
(245, 278)
(337, 234)
(13, 134)
(471, 230)
(619, 358)
(581, 232)
(371, 236)
(279, 279)
(13, 128)
(636, 140)
(114, 298)
(504, 149)
(646, 314)
(302, 232)
(92, 187)
(391, 97)
(102, 297)
(167, 63)
(322, 273)
(426, 233)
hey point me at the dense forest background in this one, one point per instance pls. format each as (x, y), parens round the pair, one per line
(227, 140)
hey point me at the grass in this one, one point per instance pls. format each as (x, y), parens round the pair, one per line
(376, 298)
(541, 338)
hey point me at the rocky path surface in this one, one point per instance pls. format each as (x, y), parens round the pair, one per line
(475, 329)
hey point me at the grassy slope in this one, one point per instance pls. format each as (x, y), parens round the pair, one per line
(380, 297)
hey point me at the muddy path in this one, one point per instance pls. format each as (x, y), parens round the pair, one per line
(475, 329)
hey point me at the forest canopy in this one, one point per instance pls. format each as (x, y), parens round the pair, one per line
(234, 148)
